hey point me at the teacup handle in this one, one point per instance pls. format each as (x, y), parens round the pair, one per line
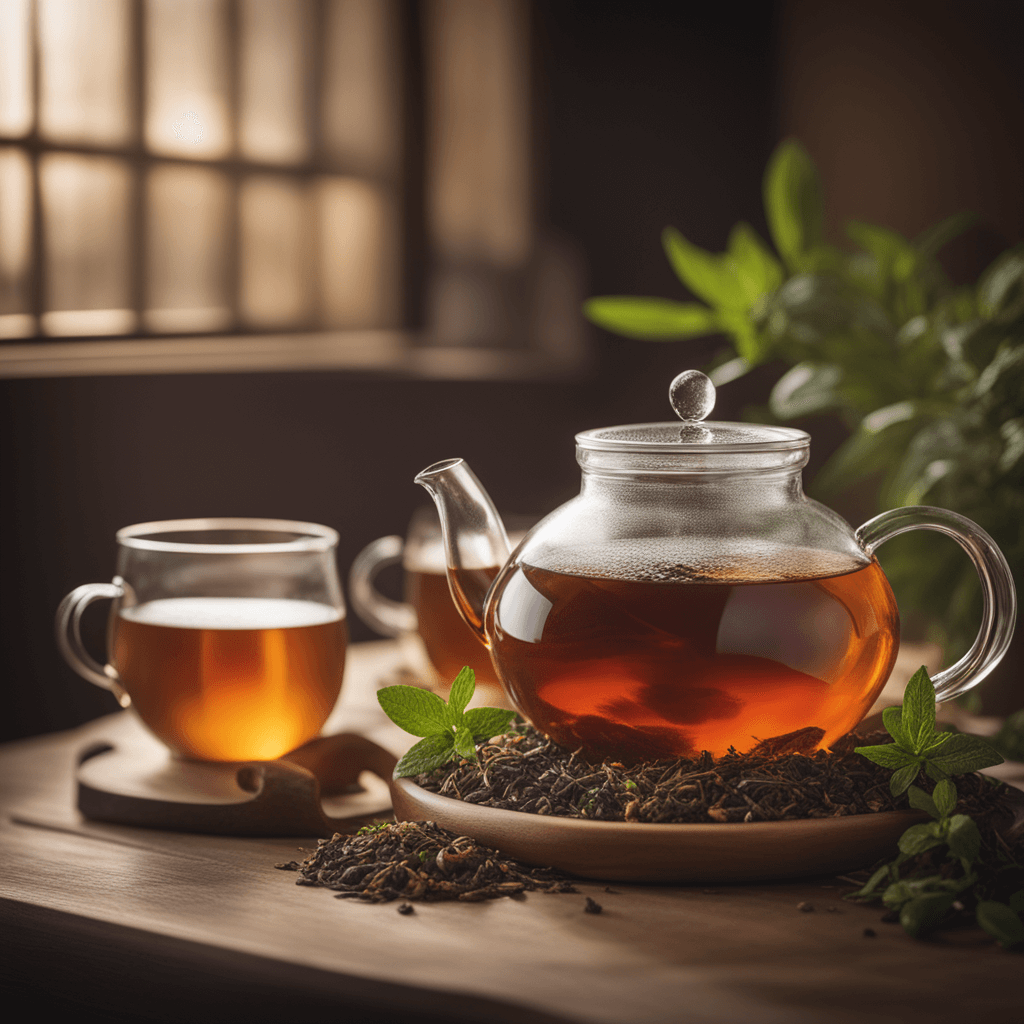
(69, 635)
(999, 597)
(392, 618)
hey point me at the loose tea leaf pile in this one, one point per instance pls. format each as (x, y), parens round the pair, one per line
(525, 771)
(418, 861)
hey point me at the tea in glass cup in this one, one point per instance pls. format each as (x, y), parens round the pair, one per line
(227, 636)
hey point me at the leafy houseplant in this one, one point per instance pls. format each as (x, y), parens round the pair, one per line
(929, 378)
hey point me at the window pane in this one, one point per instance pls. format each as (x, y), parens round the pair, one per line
(478, 170)
(187, 222)
(276, 81)
(85, 228)
(15, 243)
(361, 122)
(276, 270)
(358, 254)
(15, 68)
(84, 70)
(187, 78)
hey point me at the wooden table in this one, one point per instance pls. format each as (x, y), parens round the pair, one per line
(165, 926)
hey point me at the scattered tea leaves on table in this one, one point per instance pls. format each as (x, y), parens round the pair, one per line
(419, 861)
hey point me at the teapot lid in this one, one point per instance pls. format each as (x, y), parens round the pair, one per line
(692, 396)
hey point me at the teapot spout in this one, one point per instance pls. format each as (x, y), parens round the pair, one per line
(476, 545)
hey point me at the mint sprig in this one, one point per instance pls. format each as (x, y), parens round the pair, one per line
(449, 731)
(924, 901)
(919, 746)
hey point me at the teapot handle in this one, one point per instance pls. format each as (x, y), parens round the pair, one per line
(999, 597)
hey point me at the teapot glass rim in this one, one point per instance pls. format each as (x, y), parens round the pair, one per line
(301, 536)
(776, 439)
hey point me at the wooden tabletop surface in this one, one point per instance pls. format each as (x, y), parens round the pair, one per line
(167, 926)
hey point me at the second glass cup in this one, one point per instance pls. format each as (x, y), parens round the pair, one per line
(436, 641)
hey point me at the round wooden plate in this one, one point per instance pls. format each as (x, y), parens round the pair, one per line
(620, 851)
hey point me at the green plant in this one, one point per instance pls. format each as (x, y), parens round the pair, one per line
(449, 731)
(919, 886)
(929, 378)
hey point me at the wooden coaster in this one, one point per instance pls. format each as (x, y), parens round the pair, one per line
(312, 791)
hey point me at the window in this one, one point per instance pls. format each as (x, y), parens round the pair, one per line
(272, 184)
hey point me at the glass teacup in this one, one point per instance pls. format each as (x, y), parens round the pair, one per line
(226, 636)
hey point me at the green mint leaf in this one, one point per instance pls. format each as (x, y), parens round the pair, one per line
(944, 796)
(936, 742)
(925, 912)
(919, 838)
(934, 771)
(888, 755)
(461, 693)
(921, 801)
(963, 838)
(902, 778)
(1002, 923)
(892, 720)
(963, 753)
(918, 718)
(425, 756)
(872, 883)
(417, 711)
(1017, 901)
(484, 723)
(464, 744)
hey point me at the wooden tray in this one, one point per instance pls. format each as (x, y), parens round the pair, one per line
(689, 854)
(309, 792)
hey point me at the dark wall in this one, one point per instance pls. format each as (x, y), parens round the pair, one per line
(644, 118)
(648, 114)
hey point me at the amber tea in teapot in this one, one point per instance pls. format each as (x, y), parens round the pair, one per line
(670, 662)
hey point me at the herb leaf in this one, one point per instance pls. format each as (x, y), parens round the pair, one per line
(962, 754)
(417, 711)
(888, 755)
(921, 801)
(902, 778)
(447, 728)
(425, 756)
(918, 716)
(484, 723)
(1002, 923)
(461, 691)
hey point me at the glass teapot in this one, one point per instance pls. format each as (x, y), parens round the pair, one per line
(692, 597)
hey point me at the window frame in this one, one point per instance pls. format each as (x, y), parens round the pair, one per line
(412, 349)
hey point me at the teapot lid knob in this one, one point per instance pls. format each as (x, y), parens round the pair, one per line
(692, 396)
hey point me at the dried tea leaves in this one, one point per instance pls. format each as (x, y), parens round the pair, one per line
(781, 779)
(418, 861)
